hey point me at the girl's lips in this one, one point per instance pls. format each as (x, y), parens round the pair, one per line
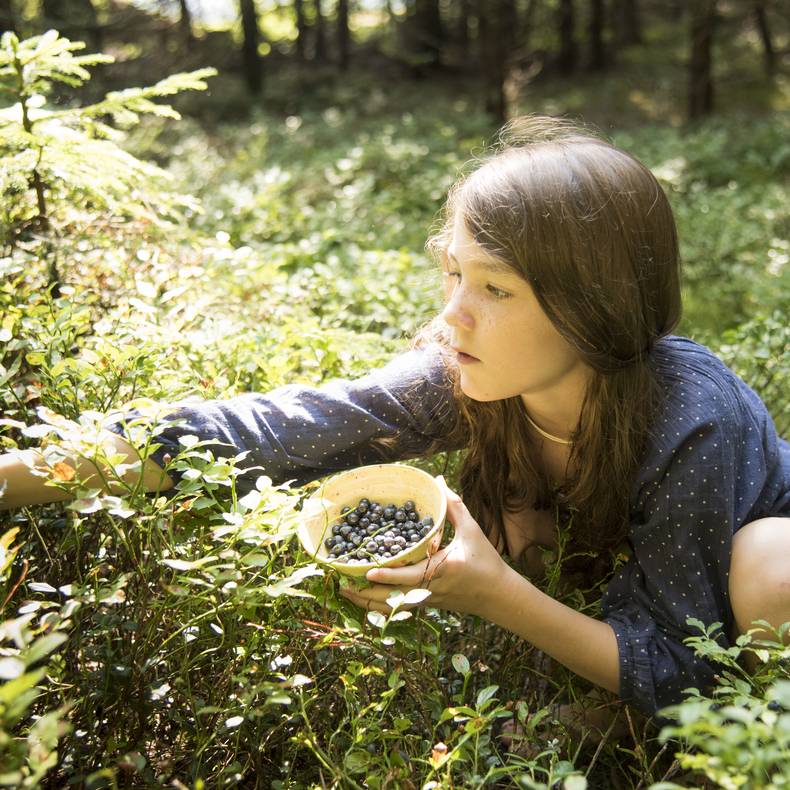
(465, 359)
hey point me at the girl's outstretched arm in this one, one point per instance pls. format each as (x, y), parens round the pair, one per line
(21, 486)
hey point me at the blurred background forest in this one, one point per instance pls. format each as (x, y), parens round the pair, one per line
(683, 60)
(269, 229)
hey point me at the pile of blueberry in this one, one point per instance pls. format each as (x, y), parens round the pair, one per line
(371, 532)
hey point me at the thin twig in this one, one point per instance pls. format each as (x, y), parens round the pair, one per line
(25, 566)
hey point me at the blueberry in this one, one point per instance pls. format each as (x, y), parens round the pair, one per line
(413, 537)
(336, 529)
(400, 540)
(352, 518)
(389, 512)
(329, 542)
(408, 505)
(364, 522)
(345, 530)
(425, 531)
(400, 515)
(427, 521)
(409, 525)
(374, 517)
(361, 554)
(414, 515)
(362, 509)
(371, 545)
(775, 705)
(345, 509)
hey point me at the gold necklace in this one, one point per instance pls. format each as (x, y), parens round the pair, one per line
(548, 435)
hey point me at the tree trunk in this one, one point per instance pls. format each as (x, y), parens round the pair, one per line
(343, 34)
(565, 24)
(492, 18)
(7, 16)
(462, 27)
(301, 30)
(320, 33)
(186, 20)
(597, 50)
(703, 17)
(253, 68)
(526, 26)
(628, 22)
(673, 10)
(761, 19)
(428, 36)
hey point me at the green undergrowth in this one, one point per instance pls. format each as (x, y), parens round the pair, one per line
(183, 640)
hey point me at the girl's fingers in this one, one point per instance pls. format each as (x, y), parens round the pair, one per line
(371, 598)
(407, 576)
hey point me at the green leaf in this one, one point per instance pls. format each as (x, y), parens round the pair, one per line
(484, 697)
(43, 646)
(377, 619)
(460, 663)
(780, 691)
(9, 691)
(356, 761)
(184, 565)
(11, 667)
(86, 505)
(416, 596)
(287, 585)
(395, 599)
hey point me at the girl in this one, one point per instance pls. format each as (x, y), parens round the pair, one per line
(552, 363)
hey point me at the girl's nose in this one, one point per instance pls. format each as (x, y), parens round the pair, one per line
(455, 313)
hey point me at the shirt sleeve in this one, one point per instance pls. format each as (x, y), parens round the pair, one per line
(693, 496)
(300, 433)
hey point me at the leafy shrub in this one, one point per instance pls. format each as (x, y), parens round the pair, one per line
(64, 167)
(740, 736)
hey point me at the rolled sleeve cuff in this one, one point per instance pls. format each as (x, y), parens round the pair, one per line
(636, 675)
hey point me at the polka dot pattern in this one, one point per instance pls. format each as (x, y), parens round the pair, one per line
(714, 463)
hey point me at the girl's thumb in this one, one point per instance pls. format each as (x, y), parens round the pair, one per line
(448, 492)
(456, 509)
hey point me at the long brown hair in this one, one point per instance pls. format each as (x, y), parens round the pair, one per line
(590, 229)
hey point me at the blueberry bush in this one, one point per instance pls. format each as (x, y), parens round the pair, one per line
(185, 641)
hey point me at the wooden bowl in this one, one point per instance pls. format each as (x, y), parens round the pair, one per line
(383, 483)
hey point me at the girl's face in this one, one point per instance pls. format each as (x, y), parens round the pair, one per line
(505, 342)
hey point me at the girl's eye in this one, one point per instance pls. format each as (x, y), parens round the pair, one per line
(497, 293)
(449, 276)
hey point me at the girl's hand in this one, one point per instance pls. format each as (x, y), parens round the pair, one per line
(463, 576)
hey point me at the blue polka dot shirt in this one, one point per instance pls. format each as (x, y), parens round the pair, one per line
(714, 463)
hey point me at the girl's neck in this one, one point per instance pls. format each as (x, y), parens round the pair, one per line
(556, 411)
